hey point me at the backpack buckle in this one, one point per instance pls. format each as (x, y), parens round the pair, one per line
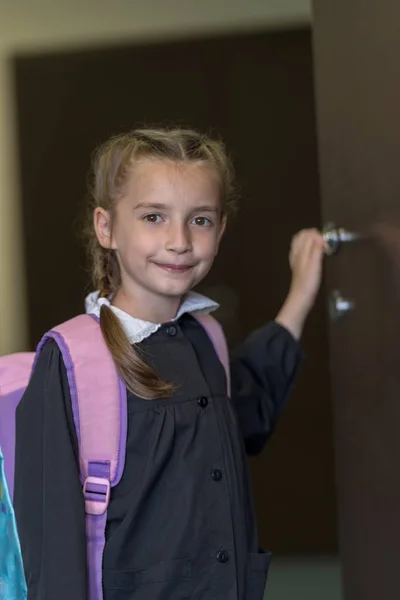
(96, 491)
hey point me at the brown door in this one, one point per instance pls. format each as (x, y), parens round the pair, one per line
(357, 70)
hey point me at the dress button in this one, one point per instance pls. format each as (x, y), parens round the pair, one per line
(222, 556)
(172, 330)
(203, 401)
(216, 474)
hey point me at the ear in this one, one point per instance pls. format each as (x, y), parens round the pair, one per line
(221, 231)
(102, 227)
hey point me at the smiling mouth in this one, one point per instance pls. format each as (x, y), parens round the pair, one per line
(175, 269)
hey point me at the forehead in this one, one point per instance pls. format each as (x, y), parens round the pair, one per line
(168, 181)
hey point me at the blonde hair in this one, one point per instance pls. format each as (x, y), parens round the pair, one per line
(112, 164)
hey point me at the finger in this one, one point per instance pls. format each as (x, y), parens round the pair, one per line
(317, 252)
(304, 234)
(302, 242)
(302, 249)
(318, 237)
(299, 239)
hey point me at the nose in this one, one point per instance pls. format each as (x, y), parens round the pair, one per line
(178, 239)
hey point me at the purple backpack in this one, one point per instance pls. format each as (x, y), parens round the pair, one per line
(98, 399)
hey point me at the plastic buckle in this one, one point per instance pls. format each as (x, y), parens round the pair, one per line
(96, 491)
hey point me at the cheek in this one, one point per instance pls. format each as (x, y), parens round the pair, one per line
(138, 242)
(207, 244)
(121, 239)
(119, 232)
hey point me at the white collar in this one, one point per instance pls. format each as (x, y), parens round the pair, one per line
(138, 330)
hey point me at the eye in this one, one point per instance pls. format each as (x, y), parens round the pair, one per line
(153, 218)
(202, 221)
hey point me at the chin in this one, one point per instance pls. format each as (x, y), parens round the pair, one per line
(175, 291)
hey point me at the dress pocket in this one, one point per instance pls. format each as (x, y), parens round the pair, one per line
(163, 581)
(257, 573)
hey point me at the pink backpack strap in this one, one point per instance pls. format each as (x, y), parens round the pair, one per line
(98, 399)
(217, 336)
(15, 371)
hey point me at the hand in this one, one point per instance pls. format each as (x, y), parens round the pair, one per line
(306, 255)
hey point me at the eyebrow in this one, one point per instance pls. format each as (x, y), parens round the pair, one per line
(157, 206)
(150, 205)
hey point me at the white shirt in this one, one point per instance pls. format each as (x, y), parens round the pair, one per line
(137, 330)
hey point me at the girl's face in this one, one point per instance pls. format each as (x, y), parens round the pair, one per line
(166, 230)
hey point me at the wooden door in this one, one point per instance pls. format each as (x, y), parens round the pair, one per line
(357, 70)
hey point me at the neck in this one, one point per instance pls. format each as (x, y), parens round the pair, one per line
(147, 307)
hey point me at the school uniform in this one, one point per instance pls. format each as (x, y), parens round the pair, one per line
(180, 523)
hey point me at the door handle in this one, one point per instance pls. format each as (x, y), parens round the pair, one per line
(336, 236)
(339, 306)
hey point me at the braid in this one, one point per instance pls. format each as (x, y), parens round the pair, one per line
(112, 167)
(109, 273)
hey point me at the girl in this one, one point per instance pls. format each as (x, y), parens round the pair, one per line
(181, 521)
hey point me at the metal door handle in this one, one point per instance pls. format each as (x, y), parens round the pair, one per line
(336, 236)
(339, 306)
